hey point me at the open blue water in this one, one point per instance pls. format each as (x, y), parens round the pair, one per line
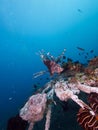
(27, 26)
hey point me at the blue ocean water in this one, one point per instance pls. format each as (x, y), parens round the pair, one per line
(29, 26)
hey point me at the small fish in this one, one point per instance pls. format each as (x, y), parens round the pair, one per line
(85, 57)
(81, 49)
(10, 98)
(95, 56)
(35, 86)
(64, 57)
(91, 51)
(79, 10)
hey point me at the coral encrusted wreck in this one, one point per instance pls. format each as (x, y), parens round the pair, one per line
(71, 78)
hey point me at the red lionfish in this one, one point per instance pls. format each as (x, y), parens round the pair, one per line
(85, 117)
(51, 63)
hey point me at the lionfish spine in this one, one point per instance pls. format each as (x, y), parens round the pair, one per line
(86, 119)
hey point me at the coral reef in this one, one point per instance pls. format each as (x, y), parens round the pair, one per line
(71, 78)
(34, 109)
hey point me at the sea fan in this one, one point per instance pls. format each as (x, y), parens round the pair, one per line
(86, 119)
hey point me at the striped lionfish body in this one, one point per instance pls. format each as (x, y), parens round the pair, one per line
(86, 119)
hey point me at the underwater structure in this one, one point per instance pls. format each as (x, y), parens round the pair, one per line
(71, 78)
